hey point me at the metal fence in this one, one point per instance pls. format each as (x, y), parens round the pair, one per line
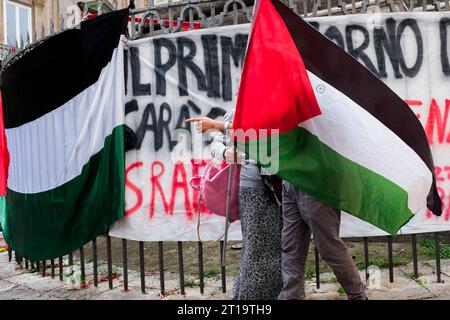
(63, 266)
(174, 16)
(178, 16)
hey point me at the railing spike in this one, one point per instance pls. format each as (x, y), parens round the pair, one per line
(85, 12)
(61, 22)
(99, 6)
(52, 26)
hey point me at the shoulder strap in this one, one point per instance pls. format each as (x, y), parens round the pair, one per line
(274, 185)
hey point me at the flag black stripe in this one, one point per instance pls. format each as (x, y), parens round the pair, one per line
(59, 69)
(329, 62)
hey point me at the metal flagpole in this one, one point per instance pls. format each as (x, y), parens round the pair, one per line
(227, 208)
(230, 173)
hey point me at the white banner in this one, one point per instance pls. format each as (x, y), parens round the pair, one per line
(190, 74)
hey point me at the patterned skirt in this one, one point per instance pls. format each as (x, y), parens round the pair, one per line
(260, 265)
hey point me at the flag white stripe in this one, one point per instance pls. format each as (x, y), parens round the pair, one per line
(355, 134)
(64, 143)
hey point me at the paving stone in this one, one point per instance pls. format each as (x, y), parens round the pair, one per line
(327, 277)
(22, 293)
(325, 291)
(23, 278)
(400, 294)
(404, 287)
(437, 289)
(422, 268)
(119, 294)
(445, 266)
(9, 271)
(67, 293)
(5, 286)
(39, 283)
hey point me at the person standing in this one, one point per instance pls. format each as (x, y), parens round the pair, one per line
(303, 215)
(259, 275)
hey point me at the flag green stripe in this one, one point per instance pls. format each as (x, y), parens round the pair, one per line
(3, 213)
(53, 223)
(312, 166)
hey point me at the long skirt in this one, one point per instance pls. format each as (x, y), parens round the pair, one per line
(259, 275)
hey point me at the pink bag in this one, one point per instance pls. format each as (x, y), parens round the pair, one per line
(213, 188)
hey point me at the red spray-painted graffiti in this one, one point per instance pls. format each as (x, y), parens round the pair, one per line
(437, 133)
(442, 176)
(134, 188)
(436, 123)
(179, 187)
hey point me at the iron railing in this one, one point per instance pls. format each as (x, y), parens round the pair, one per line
(173, 16)
(177, 16)
(61, 269)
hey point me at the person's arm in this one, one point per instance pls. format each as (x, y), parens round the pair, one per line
(204, 124)
(219, 146)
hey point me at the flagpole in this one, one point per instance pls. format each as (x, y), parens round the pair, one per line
(228, 206)
(231, 172)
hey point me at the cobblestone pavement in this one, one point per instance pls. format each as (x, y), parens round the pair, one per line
(21, 284)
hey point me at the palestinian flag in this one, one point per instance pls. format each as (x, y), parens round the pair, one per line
(343, 136)
(63, 108)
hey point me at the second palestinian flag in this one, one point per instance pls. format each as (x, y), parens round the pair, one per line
(344, 137)
(63, 109)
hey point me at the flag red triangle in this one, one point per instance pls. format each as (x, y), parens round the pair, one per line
(275, 91)
(4, 154)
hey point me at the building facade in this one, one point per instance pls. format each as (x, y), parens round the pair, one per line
(25, 21)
